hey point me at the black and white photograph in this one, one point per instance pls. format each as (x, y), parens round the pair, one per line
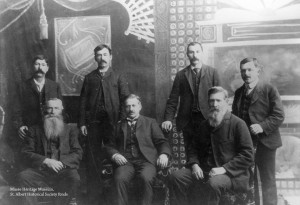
(149, 102)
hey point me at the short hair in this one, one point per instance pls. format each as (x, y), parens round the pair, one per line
(193, 44)
(40, 57)
(100, 47)
(247, 60)
(54, 99)
(217, 89)
(132, 96)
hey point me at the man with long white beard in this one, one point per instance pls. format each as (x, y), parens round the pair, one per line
(220, 157)
(53, 153)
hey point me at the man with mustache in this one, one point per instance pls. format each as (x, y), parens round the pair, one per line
(258, 103)
(101, 95)
(52, 153)
(32, 96)
(136, 150)
(220, 157)
(190, 91)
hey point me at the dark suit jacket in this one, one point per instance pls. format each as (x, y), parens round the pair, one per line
(150, 138)
(115, 89)
(183, 88)
(232, 149)
(27, 109)
(34, 150)
(266, 110)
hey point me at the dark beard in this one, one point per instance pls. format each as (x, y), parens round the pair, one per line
(53, 126)
(215, 116)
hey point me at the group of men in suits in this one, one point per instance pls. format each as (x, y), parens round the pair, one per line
(219, 144)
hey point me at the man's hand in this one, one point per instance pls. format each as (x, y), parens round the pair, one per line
(54, 164)
(217, 171)
(22, 132)
(83, 130)
(119, 159)
(167, 126)
(197, 172)
(256, 129)
(162, 161)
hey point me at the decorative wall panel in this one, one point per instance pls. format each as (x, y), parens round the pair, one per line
(75, 40)
(183, 28)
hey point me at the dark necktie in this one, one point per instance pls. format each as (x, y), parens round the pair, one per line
(196, 70)
(102, 74)
(132, 122)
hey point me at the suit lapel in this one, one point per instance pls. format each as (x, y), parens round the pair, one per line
(44, 141)
(33, 86)
(256, 93)
(203, 71)
(124, 129)
(47, 88)
(239, 97)
(189, 78)
(139, 123)
(63, 138)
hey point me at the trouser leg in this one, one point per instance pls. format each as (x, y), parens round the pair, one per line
(265, 160)
(218, 185)
(68, 184)
(179, 183)
(32, 178)
(95, 155)
(145, 175)
(122, 177)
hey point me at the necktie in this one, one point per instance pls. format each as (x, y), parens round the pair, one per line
(102, 74)
(248, 90)
(196, 70)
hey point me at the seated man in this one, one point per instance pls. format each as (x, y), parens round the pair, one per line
(138, 146)
(52, 152)
(220, 157)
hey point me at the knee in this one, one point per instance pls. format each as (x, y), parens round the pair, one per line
(146, 178)
(213, 184)
(121, 178)
(74, 176)
(24, 177)
(175, 177)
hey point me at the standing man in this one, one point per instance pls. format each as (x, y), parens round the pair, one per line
(220, 157)
(52, 152)
(259, 105)
(137, 148)
(102, 92)
(190, 88)
(32, 96)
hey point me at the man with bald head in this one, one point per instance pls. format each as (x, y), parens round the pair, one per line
(52, 153)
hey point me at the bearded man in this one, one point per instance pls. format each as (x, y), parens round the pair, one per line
(52, 153)
(220, 157)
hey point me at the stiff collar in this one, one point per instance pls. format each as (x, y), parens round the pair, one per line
(39, 85)
(252, 85)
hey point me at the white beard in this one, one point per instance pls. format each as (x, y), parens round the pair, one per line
(215, 116)
(53, 126)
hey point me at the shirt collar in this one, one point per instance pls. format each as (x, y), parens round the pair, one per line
(40, 84)
(193, 67)
(252, 85)
(132, 120)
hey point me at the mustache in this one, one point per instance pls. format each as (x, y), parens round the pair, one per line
(40, 71)
(47, 116)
